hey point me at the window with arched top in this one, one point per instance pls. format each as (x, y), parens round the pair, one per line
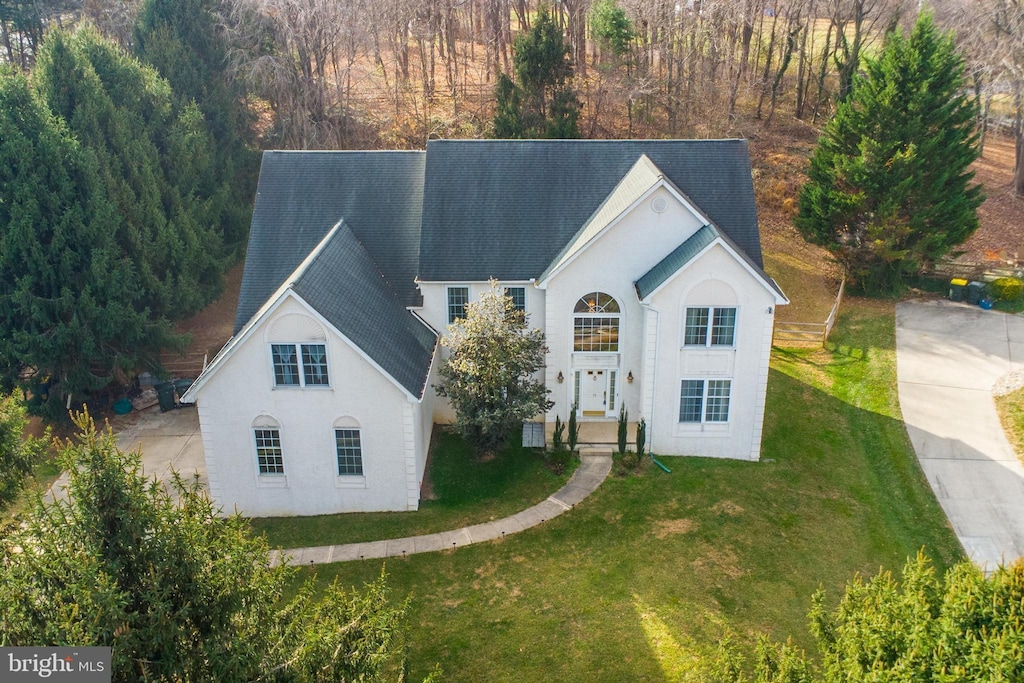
(269, 456)
(596, 324)
(348, 445)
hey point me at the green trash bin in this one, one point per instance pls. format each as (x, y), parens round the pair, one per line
(957, 287)
(165, 395)
(180, 387)
(975, 291)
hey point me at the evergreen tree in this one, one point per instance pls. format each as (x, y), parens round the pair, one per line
(540, 103)
(962, 626)
(611, 27)
(889, 189)
(179, 593)
(18, 454)
(179, 38)
(71, 307)
(123, 114)
(489, 377)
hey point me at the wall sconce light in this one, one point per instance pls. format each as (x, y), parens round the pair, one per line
(629, 377)
(769, 310)
(561, 377)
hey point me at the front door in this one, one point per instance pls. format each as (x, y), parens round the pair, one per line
(593, 393)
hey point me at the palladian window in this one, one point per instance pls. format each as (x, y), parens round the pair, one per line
(596, 323)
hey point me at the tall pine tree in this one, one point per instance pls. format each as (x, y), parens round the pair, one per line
(123, 113)
(71, 306)
(179, 39)
(540, 103)
(889, 188)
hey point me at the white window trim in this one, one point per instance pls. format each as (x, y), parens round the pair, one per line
(301, 366)
(573, 315)
(268, 479)
(506, 288)
(710, 328)
(704, 422)
(447, 300)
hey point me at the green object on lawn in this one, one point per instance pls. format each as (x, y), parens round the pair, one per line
(660, 464)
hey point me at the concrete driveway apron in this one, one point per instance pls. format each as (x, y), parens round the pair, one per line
(948, 357)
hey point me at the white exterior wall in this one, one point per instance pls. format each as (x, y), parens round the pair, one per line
(435, 312)
(392, 435)
(717, 278)
(611, 263)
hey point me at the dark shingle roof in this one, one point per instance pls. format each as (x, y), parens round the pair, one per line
(302, 195)
(679, 257)
(506, 208)
(343, 284)
(685, 252)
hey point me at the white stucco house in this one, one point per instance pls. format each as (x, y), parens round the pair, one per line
(640, 260)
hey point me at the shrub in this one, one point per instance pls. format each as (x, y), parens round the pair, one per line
(1007, 289)
(623, 428)
(574, 429)
(557, 442)
(558, 460)
(17, 454)
(626, 463)
(641, 437)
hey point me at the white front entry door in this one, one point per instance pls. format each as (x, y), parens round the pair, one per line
(593, 392)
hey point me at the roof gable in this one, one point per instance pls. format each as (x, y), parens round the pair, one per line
(639, 183)
(301, 195)
(690, 250)
(342, 283)
(509, 208)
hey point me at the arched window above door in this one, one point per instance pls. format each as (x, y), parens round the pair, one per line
(596, 324)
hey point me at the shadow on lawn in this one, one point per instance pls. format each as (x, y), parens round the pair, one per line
(640, 580)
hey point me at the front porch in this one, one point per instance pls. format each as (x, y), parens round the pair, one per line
(596, 435)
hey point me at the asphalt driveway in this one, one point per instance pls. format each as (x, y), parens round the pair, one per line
(948, 357)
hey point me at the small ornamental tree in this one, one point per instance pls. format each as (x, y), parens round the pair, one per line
(177, 592)
(889, 187)
(490, 377)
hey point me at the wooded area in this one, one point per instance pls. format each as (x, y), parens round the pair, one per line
(365, 73)
(166, 127)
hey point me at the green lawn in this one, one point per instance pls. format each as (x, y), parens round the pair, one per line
(639, 581)
(468, 492)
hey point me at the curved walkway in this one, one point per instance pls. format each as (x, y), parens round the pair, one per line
(948, 356)
(588, 476)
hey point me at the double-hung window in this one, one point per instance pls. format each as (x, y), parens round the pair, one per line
(458, 297)
(313, 366)
(269, 456)
(350, 452)
(709, 326)
(518, 296)
(704, 400)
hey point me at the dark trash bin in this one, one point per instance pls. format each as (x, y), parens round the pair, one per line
(956, 289)
(165, 395)
(975, 291)
(180, 387)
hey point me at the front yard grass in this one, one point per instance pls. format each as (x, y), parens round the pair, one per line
(640, 580)
(467, 492)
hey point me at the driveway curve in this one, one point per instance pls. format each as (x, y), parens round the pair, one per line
(948, 356)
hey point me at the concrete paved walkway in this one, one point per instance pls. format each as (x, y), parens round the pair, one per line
(168, 441)
(948, 357)
(588, 476)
